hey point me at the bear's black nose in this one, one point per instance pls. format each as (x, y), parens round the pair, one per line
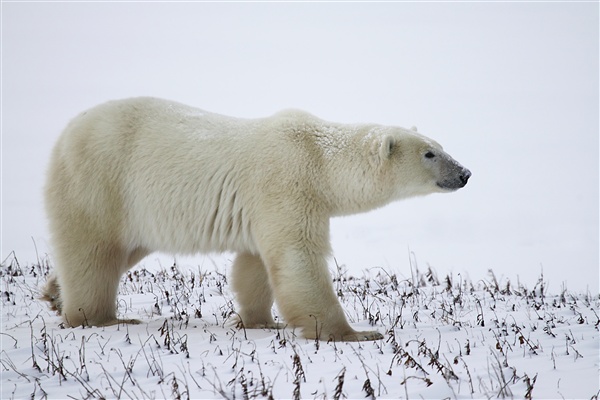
(464, 177)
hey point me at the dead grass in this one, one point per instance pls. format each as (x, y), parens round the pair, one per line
(447, 337)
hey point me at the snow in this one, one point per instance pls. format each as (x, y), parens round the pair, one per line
(509, 89)
(445, 337)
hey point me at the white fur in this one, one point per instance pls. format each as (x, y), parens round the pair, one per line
(136, 176)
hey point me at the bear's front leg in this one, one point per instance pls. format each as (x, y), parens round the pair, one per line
(304, 294)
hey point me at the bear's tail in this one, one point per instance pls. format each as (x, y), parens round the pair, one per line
(51, 294)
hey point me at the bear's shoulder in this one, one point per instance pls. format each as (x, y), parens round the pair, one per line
(295, 116)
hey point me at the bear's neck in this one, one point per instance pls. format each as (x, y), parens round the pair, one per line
(354, 185)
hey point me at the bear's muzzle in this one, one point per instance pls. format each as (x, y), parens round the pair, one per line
(455, 181)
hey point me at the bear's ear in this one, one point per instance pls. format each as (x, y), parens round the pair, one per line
(387, 146)
(414, 129)
(382, 149)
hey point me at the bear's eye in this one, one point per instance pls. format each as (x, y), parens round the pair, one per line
(429, 155)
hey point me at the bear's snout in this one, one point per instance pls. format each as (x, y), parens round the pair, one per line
(456, 179)
(464, 177)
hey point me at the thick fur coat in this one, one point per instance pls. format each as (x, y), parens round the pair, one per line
(135, 176)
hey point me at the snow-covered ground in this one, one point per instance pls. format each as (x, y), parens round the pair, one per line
(445, 337)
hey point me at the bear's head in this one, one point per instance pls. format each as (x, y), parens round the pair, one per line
(368, 166)
(414, 165)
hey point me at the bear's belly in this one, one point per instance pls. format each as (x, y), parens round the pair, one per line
(191, 232)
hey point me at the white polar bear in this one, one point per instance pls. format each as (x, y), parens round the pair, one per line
(135, 176)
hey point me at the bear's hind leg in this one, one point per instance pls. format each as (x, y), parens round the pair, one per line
(250, 282)
(88, 277)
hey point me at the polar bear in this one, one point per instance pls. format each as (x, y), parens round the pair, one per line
(131, 177)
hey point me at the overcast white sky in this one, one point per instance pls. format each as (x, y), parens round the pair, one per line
(509, 89)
